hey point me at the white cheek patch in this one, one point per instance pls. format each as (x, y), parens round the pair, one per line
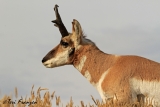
(58, 60)
(81, 63)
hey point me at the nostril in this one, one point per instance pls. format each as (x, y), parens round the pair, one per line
(43, 60)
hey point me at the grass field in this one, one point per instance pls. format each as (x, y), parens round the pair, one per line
(37, 100)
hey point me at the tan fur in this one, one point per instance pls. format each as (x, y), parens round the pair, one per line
(125, 68)
(95, 63)
(121, 69)
(118, 77)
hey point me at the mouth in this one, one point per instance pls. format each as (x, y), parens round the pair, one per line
(47, 65)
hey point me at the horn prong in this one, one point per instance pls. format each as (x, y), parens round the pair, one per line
(58, 22)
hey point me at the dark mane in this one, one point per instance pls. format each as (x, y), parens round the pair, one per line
(84, 36)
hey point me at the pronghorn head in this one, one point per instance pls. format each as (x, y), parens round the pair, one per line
(63, 53)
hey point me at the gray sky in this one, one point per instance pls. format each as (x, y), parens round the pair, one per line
(27, 34)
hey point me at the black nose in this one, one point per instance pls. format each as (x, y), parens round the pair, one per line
(44, 60)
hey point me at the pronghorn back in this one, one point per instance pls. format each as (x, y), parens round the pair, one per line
(125, 78)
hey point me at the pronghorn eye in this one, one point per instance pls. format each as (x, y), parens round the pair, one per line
(64, 44)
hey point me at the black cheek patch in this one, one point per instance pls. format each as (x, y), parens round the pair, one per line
(72, 52)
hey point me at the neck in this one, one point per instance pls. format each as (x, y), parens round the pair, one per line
(92, 62)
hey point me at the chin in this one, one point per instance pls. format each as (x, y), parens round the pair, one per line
(49, 66)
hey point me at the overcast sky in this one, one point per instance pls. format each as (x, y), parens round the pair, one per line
(26, 35)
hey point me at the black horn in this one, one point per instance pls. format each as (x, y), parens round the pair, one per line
(58, 23)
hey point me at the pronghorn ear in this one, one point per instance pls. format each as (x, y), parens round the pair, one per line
(77, 30)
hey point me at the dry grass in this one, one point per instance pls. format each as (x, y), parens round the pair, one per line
(35, 100)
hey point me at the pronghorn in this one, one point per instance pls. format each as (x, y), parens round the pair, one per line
(119, 77)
